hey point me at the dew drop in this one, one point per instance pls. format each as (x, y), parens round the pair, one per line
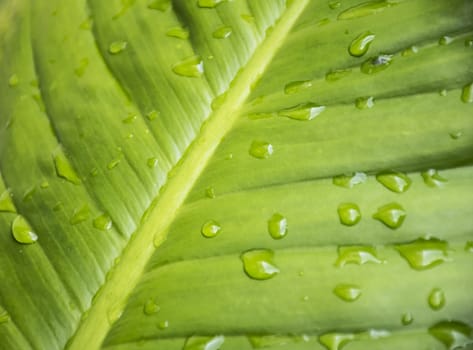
(349, 180)
(261, 149)
(366, 9)
(453, 334)
(347, 292)
(358, 255)
(209, 3)
(407, 319)
(349, 214)
(210, 229)
(248, 18)
(163, 325)
(436, 299)
(44, 185)
(297, 86)
(178, 32)
(22, 231)
(64, 168)
(102, 222)
(376, 64)
(424, 253)
(204, 343)
(222, 32)
(80, 70)
(455, 135)
(394, 181)
(443, 92)
(4, 316)
(412, 50)
(467, 93)
(392, 215)
(333, 4)
(218, 101)
(337, 74)
(151, 307)
(432, 178)
(364, 102)
(152, 162)
(117, 46)
(29, 194)
(210, 192)
(469, 43)
(258, 264)
(86, 24)
(445, 40)
(469, 246)
(192, 67)
(13, 81)
(360, 45)
(130, 119)
(277, 226)
(6, 203)
(113, 164)
(80, 214)
(160, 5)
(304, 111)
(152, 115)
(336, 341)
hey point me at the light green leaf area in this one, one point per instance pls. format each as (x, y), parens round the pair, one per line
(216, 174)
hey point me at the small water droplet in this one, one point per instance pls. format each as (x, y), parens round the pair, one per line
(160, 5)
(6, 203)
(297, 86)
(407, 319)
(130, 119)
(358, 255)
(209, 3)
(336, 341)
(347, 292)
(83, 64)
(261, 149)
(443, 92)
(455, 135)
(453, 334)
(277, 226)
(248, 18)
(436, 299)
(349, 180)
(178, 32)
(304, 111)
(391, 214)
(151, 307)
(13, 81)
(333, 4)
(192, 67)
(64, 168)
(467, 93)
(222, 32)
(210, 229)
(29, 194)
(366, 9)
(337, 74)
(432, 178)
(103, 222)
(424, 253)
(163, 325)
(364, 102)
(86, 24)
(210, 192)
(80, 214)
(218, 101)
(117, 46)
(360, 45)
(469, 246)
(259, 264)
(22, 231)
(410, 51)
(323, 22)
(113, 164)
(445, 40)
(204, 343)
(4, 316)
(349, 214)
(394, 181)
(376, 64)
(469, 42)
(44, 185)
(152, 162)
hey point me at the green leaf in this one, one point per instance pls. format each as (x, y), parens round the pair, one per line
(236, 174)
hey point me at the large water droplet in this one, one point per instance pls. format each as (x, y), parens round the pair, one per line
(337, 74)
(210, 229)
(436, 299)
(347, 292)
(204, 343)
(64, 168)
(178, 32)
(357, 255)
(259, 264)
(261, 149)
(103, 222)
(160, 5)
(222, 32)
(394, 181)
(117, 46)
(6, 203)
(304, 111)
(189, 67)
(360, 45)
(453, 334)
(366, 9)
(349, 180)
(80, 214)
(297, 86)
(364, 102)
(376, 64)
(277, 226)
(336, 341)
(424, 253)
(406, 318)
(392, 215)
(151, 307)
(467, 93)
(349, 214)
(22, 231)
(432, 178)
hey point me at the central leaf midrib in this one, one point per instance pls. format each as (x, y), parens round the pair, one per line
(111, 300)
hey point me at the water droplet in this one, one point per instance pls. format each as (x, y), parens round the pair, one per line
(364, 102)
(222, 32)
(64, 168)
(151, 307)
(469, 43)
(113, 164)
(277, 226)
(453, 334)
(80, 70)
(347, 292)
(349, 180)
(152, 162)
(261, 149)
(432, 178)
(258, 264)
(376, 64)
(130, 119)
(358, 255)
(209, 3)
(248, 18)
(349, 214)
(163, 325)
(22, 231)
(394, 181)
(469, 246)
(4, 316)
(117, 46)
(467, 93)
(13, 81)
(80, 214)
(407, 319)
(360, 45)
(436, 299)
(86, 24)
(333, 4)
(44, 185)
(297, 86)
(455, 135)
(210, 192)
(337, 74)
(392, 215)
(336, 341)
(410, 51)
(103, 222)
(443, 92)
(29, 194)
(445, 40)
(204, 343)
(424, 253)
(190, 67)
(366, 9)
(178, 32)
(210, 229)
(160, 5)
(6, 203)
(304, 111)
